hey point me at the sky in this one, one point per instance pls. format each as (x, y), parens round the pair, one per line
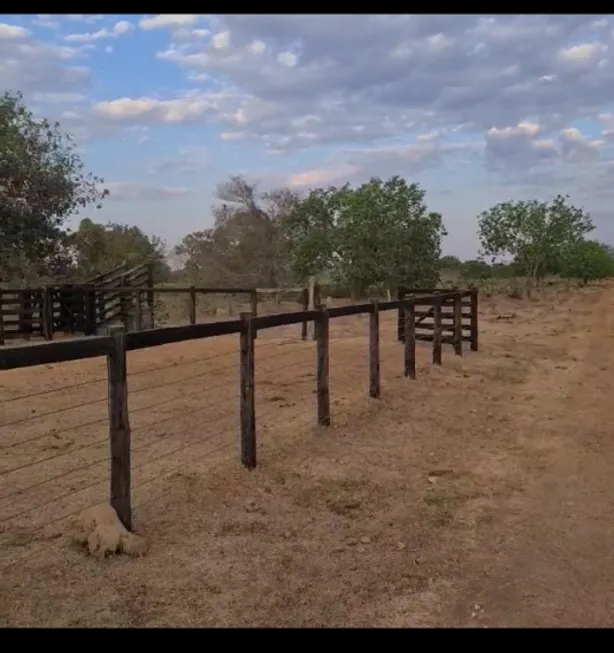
(476, 109)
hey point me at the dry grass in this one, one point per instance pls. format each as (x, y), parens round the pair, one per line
(479, 494)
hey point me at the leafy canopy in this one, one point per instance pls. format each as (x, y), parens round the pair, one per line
(377, 235)
(534, 233)
(42, 182)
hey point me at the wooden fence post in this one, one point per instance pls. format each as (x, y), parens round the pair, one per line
(322, 374)
(192, 305)
(119, 427)
(374, 360)
(138, 311)
(150, 293)
(305, 301)
(474, 319)
(47, 313)
(400, 315)
(437, 329)
(89, 313)
(253, 302)
(458, 325)
(247, 397)
(316, 304)
(409, 334)
(26, 315)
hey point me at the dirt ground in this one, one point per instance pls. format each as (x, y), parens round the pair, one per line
(477, 495)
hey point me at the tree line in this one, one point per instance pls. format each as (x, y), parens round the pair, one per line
(368, 238)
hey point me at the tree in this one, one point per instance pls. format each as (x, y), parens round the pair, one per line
(379, 235)
(99, 248)
(245, 244)
(450, 262)
(533, 233)
(588, 260)
(42, 182)
(475, 269)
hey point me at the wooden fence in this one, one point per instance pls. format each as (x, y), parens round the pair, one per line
(412, 314)
(71, 308)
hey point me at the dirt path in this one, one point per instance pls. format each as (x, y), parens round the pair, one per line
(548, 560)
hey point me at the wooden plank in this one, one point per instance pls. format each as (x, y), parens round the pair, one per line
(168, 335)
(47, 353)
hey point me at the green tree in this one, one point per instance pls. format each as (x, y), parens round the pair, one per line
(450, 262)
(475, 269)
(42, 182)
(588, 260)
(98, 248)
(379, 235)
(533, 233)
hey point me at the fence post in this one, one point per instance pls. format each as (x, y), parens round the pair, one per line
(400, 314)
(322, 349)
(374, 361)
(89, 313)
(474, 319)
(253, 303)
(192, 305)
(458, 324)
(305, 301)
(119, 427)
(437, 329)
(409, 334)
(138, 311)
(317, 304)
(47, 316)
(1, 323)
(150, 293)
(26, 315)
(247, 397)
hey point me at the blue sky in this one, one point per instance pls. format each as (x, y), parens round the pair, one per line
(477, 109)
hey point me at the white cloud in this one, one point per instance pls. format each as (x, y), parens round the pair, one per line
(287, 59)
(120, 28)
(13, 31)
(257, 47)
(162, 21)
(221, 40)
(126, 191)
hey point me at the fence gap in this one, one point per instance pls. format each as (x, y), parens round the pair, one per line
(119, 427)
(458, 325)
(474, 319)
(192, 305)
(437, 336)
(247, 395)
(321, 332)
(409, 335)
(374, 358)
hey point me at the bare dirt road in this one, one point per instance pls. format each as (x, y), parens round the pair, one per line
(480, 494)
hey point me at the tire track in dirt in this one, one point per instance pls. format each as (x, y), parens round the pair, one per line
(554, 560)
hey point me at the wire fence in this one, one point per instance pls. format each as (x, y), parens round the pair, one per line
(187, 408)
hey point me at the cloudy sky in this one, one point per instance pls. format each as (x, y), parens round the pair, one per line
(477, 109)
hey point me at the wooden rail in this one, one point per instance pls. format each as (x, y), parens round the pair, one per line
(118, 343)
